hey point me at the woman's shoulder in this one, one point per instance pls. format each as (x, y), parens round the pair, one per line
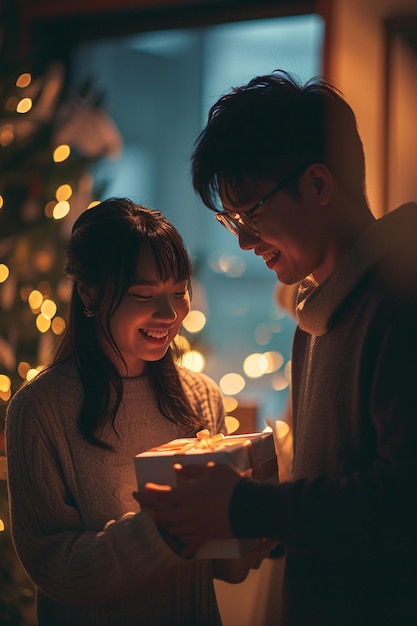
(56, 379)
(197, 380)
(200, 388)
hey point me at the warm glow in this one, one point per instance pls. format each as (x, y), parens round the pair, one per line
(194, 321)
(49, 208)
(193, 360)
(48, 309)
(58, 325)
(181, 344)
(64, 289)
(1, 525)
(43, 260)
(35, 300)
(287, 371)
(23, 80)
(230, 404)
(232, 424)
(22, 369)
(42, 323)
(6, 135)
(44, 287)
(5, 395)
(11, 103)
(1, 201)
(64, 192)
(231, 265)
(281, 429)
(279, 382)
(24, 105)
(61, 153)
(32, 373)
(4, 272)
(5, 383)
(232, 383)
(61, 209)
(93, 203)
(25, 292)
(255, 365)
(274, 360)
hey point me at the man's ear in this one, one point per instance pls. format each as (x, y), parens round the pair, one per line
(87, 294)
(322, 182)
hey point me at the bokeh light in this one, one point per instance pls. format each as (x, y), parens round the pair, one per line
(194, 321)
(193, 360)
(35, 300)
(232, 383)
(255, 365)
(61, 153)
(4, 272)
(24, 105)
(23, 80)
(232, 424)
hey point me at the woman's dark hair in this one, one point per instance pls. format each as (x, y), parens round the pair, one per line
(273, 126)
(103, 250)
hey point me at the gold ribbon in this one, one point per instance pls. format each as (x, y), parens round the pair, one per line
(205, 442)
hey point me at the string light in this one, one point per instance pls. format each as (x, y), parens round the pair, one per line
(23, 80)
(35, 300)
(6, 137)
(24, 105)
(5, 387)
(64, 192)
(232, 383)
(61, 153)
(193, 360)
(58, 325)
(194, 321)
(4, 272)
(255, 365)
(48, 308)
(60, 210)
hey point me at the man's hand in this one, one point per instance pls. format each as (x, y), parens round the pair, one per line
(197, 510)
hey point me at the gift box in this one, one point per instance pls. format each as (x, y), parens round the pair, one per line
(250, 454)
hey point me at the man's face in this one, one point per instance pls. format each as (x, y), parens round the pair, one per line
(293, 230)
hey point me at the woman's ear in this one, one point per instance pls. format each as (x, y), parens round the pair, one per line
(87, 294)
(322, 182)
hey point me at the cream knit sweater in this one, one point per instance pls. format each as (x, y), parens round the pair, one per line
(95, 559)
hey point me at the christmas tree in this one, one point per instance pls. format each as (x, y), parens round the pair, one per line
(50, 137)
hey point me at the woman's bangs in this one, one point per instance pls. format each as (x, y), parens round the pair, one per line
(171, 259)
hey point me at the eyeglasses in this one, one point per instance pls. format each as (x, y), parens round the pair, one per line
(235, 221)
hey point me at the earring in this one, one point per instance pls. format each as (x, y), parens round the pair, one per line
(88, 312)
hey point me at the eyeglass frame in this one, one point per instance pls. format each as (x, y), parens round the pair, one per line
(235, 220)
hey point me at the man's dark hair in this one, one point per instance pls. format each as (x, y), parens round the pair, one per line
(272, 126)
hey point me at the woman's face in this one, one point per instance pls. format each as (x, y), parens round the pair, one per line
(147, 319)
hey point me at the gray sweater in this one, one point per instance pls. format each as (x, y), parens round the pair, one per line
(94, 558)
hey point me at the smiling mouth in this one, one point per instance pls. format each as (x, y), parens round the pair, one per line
(155, 334)
(270, 255)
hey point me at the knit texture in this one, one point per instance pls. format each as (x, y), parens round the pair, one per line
(96, 559)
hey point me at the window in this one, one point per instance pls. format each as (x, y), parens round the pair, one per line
(158, 87)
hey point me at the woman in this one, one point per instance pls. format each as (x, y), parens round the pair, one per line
(113, 390)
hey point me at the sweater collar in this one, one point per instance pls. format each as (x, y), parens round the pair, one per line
(316, 304)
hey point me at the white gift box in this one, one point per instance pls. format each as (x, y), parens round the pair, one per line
(250, 454)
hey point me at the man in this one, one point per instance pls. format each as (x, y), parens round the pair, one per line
(287, 163)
